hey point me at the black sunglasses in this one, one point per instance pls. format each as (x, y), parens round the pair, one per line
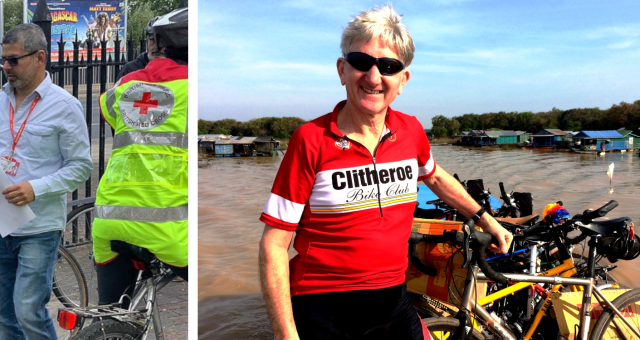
(13, 61)
(363, 62)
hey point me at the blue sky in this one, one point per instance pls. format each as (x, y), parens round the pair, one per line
(277, 58)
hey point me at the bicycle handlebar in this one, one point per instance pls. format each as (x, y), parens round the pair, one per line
(600, 212)
(469, 238)
(503, 194)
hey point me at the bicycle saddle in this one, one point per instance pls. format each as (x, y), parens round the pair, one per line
(133, 251)
(605, 228)
(517, 221)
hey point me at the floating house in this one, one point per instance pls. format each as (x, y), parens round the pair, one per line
(502, 137)
(487, 137)
(206, 143)
(246, 146)
(459, 139)
(523, 136)
(266, 146)
(478, 138)
(548, 138)
(633, 139)
(236, 146)
(608, 140)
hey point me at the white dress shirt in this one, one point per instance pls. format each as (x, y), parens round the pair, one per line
(53, 151)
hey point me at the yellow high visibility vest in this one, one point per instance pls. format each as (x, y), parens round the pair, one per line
(142, 197)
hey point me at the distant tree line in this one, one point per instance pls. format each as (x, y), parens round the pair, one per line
(268, 126)
(617, 116)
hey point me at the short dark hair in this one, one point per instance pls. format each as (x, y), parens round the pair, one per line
(30, 36)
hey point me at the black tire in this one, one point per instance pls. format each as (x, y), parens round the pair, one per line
(109, 330)
(80, 224)
(443, 328)
(604, 325)
(82, 214)
(69, 284)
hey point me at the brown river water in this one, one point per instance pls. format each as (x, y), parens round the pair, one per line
(233, 191)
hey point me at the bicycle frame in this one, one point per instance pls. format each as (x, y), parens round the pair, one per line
(565, 270)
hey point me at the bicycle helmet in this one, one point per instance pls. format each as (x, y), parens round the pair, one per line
(172, 29)
(149, 28)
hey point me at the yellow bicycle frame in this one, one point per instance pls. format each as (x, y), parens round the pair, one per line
(566, 269)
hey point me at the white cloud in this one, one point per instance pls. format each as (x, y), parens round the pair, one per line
(621, 45)
(444, 69)
(498, 56)
(627, 31)
(285, 67)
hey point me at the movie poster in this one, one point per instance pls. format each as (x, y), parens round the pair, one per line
(98, 20)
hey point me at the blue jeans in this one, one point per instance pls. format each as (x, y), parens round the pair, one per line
(26, 275)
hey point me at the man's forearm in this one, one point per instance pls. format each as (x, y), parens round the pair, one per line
(274, 279)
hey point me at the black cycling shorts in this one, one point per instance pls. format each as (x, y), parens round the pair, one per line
(386, 313)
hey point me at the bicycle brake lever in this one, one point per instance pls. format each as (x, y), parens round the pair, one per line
(466, 253)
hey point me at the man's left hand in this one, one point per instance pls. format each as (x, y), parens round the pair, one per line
(19, 194)
(491, 226)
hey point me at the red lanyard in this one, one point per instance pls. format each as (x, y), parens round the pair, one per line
(16, 137)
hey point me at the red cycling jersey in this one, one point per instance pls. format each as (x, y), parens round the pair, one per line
(352, 211)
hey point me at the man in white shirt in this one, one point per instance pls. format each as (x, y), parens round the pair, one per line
(44, 150)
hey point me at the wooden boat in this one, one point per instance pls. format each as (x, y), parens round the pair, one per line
(589, 151)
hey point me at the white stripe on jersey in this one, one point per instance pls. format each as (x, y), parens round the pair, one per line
(283, 209)
(427, 168)
(352, 189)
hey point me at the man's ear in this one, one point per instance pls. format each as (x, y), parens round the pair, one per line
(405, 78)
(41, 56)
(340, 66)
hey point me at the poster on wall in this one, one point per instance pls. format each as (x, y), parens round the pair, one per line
(97, 20)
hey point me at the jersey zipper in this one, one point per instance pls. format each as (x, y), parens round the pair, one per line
(373, 159)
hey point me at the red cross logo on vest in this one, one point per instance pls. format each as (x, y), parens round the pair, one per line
(145, 106)
(145, 103)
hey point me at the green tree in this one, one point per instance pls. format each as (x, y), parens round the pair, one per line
(440, 125)
(226, 127)
(160, 7)
(204, 127)
(469, 121)
(619, 115)
(454, 127)
(285, 126)
(141, 11)
(137, 20)
(523, 122)
(634, 116)
(12, 14)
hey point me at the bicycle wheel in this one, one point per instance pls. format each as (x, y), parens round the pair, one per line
(69, 285)
(69, 288)
(109, 330)
(443, 328)
(629, 305)
(78, 242)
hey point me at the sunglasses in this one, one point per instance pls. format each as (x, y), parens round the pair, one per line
(13, 61)
(363, 62)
